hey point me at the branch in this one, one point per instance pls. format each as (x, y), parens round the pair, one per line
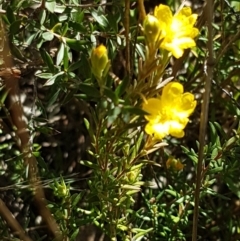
(204, 115)
(12, 222)
(127, 24)
(14, 105)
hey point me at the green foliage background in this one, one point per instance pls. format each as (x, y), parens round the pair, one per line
(89, 146)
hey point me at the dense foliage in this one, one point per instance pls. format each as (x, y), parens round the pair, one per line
(109, 126)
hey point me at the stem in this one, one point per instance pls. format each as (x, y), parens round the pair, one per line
(15, 108)
(12, 222)
(127, 26)
(142, 12)
(204, 115)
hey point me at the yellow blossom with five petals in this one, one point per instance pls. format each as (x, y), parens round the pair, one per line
(177, 31)
(169, 114)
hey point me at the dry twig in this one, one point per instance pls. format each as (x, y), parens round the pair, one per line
(204, 116)
(14, 105)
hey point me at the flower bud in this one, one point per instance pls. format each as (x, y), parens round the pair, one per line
(152, 28)
(174, 164)
(60, 189)
(99, 60)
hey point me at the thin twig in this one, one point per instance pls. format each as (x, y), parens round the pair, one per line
(91, 5)
(141, 9)
(14, 105)
(127, 27)
(204, 115)
(12, 222)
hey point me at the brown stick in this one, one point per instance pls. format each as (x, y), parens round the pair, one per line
(12, 222)
(142, 12)
(204, 116)
(10, 77)
(127, 27)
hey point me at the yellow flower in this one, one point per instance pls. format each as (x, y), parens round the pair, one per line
(177, 31)
(174, 164)
(99, 60)
(168, 114)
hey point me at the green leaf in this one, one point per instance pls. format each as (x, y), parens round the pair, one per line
(5, 19)
(137, 146)
(42, 163)
(50, 5)
(213, 132)
(15, 27)
(191, 154)
(74, 66)
(172, 192)
(23, 4)
(59, 8)
(54, 97)
(31, 38)
(47, 60)
(17, 53)
(64, 29)
(66, 58)
(93, 138)
(140, 233)
(42, 16)
(76, 44)
(89, 90)
(76, 198)
(60, 54)
(36, 153)
(230, 142)
(10, 15)
(113, 114)
(215, 170)
(52, 80)
(111, 95)
(114, 19)
(56, 28)
(3, 96)
(48, 36)
(233, 186)
(87, 124)
(183, 199)
(215, 153)
(44, 75)
(89, 164)
(78, 16)
(74, 235)
(122, 87)
(77, 27)
(100, 18)
(134, 110)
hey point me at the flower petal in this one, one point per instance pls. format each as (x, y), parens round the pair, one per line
(164, 14)
(152, 106)
(184, 12)
(157, 130)
(172, 89)
(188, 103)
(178, 45)
(176, 129)
(192, 19)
